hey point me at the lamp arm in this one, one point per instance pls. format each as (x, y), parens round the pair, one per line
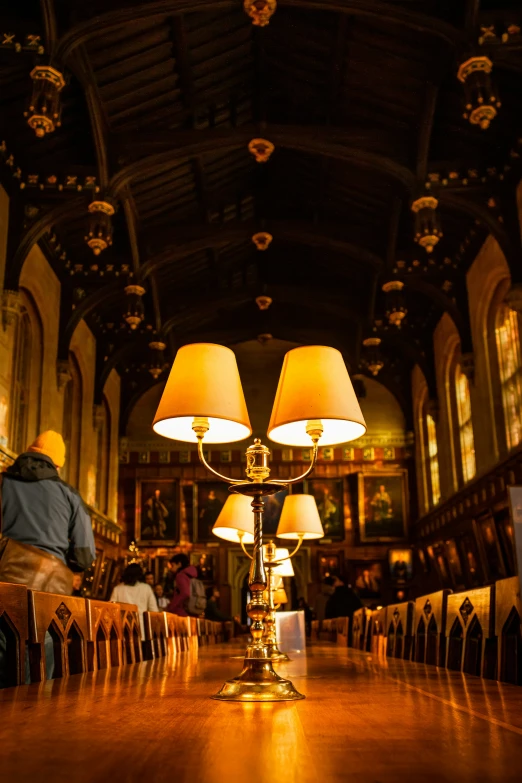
(307, 472)
(243, 547)
(205, 463)
(296, 550)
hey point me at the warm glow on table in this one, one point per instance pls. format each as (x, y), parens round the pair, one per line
(314, 384)
(236, 518)
(203, 382)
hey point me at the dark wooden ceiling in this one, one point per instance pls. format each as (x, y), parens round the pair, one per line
(362, 103)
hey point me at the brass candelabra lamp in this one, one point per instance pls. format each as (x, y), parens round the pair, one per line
(203, 401)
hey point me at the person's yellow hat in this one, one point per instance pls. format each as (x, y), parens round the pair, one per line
(52, 445)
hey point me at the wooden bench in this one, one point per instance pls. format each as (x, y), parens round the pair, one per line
(430, 628)
(400, 630)
(178, 630)
(343, 631)
(65, 618)
(361, 629)
(508, 616)
(328, 632)
(470, 632)
(131, 632)
(105, 644)
(156, 635)
(15, 628)
(379, 631)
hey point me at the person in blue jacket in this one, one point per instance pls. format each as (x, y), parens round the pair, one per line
(40, 509)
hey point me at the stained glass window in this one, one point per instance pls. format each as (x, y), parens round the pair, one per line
(510, 370)
(467, 442)
(433, 459)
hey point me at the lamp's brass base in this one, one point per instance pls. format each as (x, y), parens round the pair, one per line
(275, 654)
(258, 682)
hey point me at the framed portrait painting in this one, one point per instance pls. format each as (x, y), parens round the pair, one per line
(157, 511)
(272, 512)
(382, 506)
(209, 499)
(328, 494)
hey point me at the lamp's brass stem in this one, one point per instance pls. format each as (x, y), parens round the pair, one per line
(271, 644)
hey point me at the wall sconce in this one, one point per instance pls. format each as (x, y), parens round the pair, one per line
(44, 111)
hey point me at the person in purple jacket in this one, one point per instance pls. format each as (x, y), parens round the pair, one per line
(184, 572)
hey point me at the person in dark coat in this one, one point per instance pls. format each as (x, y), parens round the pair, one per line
(344, 601)
(40, 509)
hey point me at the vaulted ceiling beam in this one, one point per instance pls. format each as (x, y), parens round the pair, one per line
(164, 147)
(133, 13)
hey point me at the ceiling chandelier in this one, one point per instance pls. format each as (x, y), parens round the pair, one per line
(99, 236)
(260, 11)
(481, 100)
(427, 227)
(396, 309)
(44, 110)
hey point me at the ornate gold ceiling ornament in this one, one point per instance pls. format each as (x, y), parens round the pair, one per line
(427, 227)
(134, 312)
(396, 309)
(262, 240)
(261, 149)
(44, 111)
(99, 236)
(481, 101)
(157, 363)
(263, 302)
(260, 11)
(374, 360)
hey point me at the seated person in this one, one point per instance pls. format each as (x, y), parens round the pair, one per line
(162, 600)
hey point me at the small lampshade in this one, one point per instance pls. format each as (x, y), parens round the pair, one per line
(285, 568)
(300, 517)
(314, 384)
(235, 517)
(203, 382)
(280, 596)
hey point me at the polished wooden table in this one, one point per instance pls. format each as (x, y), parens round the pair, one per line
(362, 721)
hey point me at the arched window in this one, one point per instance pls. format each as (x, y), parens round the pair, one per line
(467, 442)
(103, 459)
(21, 383)
(510, 372)
(427, 449)
(433, 459)
(72, 423)
(26, 389)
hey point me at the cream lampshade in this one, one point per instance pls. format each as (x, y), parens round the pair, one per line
(285, 568)
(300, 517)
(314, 384)
(203, 382)
(280, 596)
(236, 517)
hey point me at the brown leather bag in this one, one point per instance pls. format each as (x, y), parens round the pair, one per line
(24, 564)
